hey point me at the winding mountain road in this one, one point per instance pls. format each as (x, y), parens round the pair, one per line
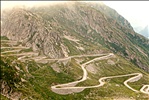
(18, 47)
(71, 87)
(145, 89)
(61, 89)
(10, 51)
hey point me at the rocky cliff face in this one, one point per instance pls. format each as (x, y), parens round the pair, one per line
(33, 31)
(111, 14)
(76, 28)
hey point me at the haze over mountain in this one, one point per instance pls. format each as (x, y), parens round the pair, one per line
(68, 49)
(133, 11)
(145, 32)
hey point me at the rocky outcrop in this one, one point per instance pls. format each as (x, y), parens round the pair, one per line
(32, 31)
(112, 14)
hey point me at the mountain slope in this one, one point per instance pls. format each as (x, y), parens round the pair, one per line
(32, 31)
(49, 45)
(92, 27)
(27, 76)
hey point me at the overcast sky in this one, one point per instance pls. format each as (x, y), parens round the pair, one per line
(136, 12)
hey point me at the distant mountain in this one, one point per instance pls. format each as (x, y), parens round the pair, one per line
(145, 31)
(138, 29)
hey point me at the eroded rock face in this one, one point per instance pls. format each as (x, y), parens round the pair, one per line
(32, 30)
(8, 91)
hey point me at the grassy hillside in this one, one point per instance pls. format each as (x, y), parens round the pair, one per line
(39, 77)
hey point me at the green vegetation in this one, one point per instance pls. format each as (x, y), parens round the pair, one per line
(4, 38)
(8, 73)
(72, 48)
(40, 77)
(118, 48)
(26, 50)
(3, 97)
